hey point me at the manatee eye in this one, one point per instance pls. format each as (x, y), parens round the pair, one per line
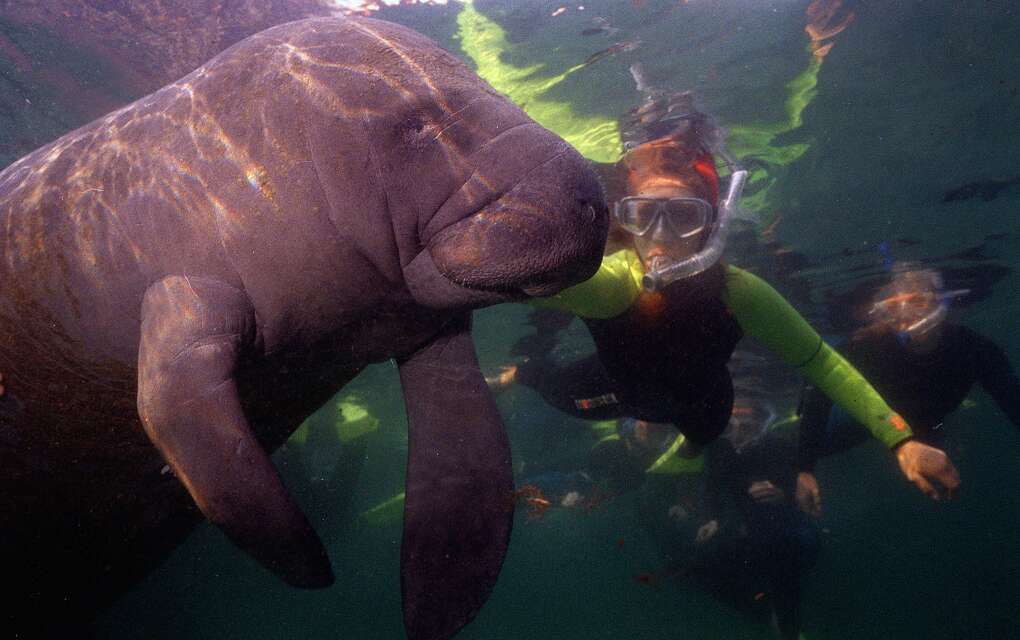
(414, 131)
(416, 123)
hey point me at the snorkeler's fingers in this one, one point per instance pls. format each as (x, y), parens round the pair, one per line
(707, 530)
(949, 478)
(809, 498)
(766, 492)
(926, 487)
(937, 466)
(923, 465)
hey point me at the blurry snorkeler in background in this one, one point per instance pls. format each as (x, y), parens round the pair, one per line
(922, 363)
(755, 560)
(665, 314)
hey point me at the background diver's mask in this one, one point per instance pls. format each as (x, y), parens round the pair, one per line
(913, 304)
(684, 218)
(750, 421)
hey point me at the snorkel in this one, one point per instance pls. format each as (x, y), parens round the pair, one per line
(663, 272)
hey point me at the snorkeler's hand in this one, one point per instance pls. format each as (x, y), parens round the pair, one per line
(706, 531)
(677, 513)
(764, 492)
(928, 468)
(809, 498)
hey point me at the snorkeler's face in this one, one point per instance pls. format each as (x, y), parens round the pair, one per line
(914, 308)
(670, 222)
(915, 314)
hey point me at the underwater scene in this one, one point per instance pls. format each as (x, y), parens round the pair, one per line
(308, 330)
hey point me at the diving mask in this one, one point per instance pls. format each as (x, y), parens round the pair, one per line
(914, 304)
(689, 217)
(684, 217)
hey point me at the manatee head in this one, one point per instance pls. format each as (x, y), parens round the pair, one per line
(530, 221)
(484, 204)
(487, 205)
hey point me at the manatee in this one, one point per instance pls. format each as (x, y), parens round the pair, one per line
(186, 279)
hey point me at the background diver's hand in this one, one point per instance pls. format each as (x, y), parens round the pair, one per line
(809, 498)
(677, 513)
(928, 468)
(706, 531)
(764, 492)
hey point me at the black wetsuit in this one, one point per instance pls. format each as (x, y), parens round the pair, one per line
(923, 388)
(670, 366)
(666, 366)
(760, 563)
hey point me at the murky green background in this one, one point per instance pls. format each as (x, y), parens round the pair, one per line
(916, 98)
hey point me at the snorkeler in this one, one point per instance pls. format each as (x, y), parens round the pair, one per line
(923, 364)
(665, 314)
(755, 561)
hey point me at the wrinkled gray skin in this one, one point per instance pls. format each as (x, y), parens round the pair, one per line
(185, 280)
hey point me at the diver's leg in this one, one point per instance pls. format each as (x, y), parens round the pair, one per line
(581, 389)
(789, 544)
(786, 605)
(707, 418)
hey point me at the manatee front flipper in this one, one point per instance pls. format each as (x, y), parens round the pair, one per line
(459, 505)
(193, 332)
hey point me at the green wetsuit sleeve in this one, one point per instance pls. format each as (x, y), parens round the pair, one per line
(607, 294)
(766, 316)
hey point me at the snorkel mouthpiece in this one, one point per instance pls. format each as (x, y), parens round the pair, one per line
(657, 278)
(657, 264)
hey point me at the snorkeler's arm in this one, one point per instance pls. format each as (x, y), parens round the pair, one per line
(997, 376)
(607, 294)
(765, 315)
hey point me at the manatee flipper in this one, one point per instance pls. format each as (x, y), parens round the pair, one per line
(459, 490)
(193, 332)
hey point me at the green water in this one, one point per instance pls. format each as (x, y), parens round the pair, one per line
(915, 98)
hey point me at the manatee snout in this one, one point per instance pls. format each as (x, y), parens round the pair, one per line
(545, 233)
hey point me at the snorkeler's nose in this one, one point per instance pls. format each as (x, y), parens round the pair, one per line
(658, 235)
